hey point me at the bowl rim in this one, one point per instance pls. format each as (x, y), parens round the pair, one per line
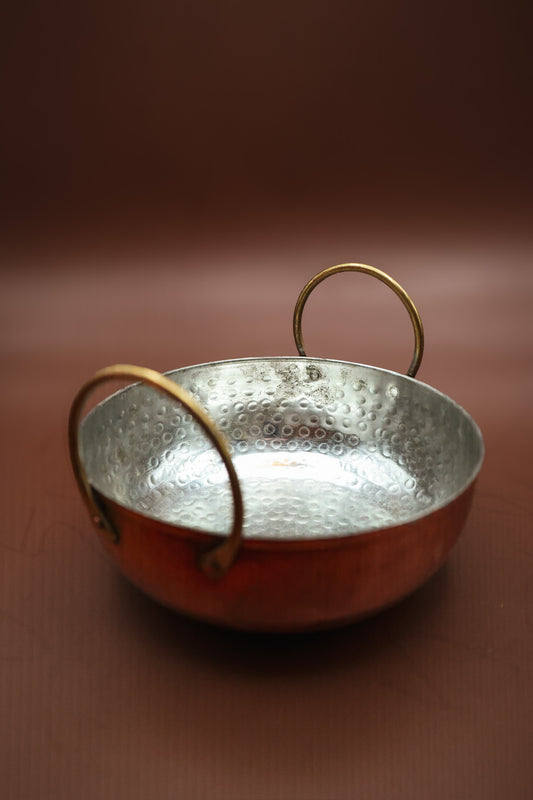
(329, 538)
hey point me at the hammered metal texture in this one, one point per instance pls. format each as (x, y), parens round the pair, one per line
(322, 448)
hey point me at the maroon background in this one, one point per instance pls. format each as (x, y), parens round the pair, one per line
(172, 176)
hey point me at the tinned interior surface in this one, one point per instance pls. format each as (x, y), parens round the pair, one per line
(322, 448)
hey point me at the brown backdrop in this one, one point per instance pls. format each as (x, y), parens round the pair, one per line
(172, 176)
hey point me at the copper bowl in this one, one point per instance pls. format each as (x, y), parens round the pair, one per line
(348, 484)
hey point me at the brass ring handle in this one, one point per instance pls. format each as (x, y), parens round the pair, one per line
(382, 276)
(220, 558)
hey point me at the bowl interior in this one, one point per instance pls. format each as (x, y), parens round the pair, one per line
(322, 448)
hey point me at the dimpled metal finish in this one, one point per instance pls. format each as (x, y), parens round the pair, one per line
(277, 494)
(322, 449)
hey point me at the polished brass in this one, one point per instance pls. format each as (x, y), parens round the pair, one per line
(382, 276)
(216, 561)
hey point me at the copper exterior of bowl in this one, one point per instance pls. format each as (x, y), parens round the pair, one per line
(348, 484)
(285, 586)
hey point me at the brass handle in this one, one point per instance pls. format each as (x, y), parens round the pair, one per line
(382, 276)
(217, 560)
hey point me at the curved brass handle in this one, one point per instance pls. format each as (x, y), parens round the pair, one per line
(382, 276)
(217, 560)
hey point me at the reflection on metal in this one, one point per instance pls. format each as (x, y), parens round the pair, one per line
(356, 482)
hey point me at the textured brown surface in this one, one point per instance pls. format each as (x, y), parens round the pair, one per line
(171, 177)
(104, 693)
